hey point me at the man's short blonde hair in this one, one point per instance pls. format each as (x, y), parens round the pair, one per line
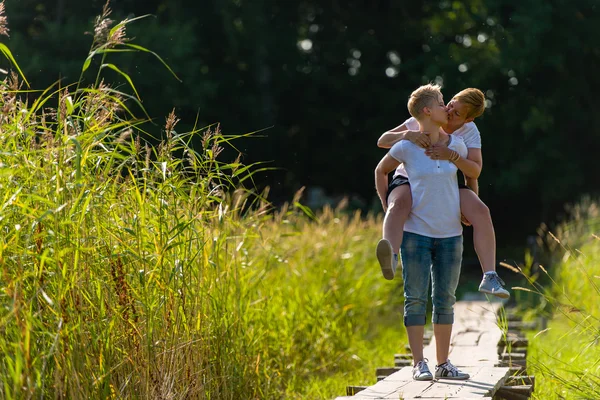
(424, 96)
(474, 99)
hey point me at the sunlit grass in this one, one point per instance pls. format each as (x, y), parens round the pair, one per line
(565, 357)
(136, 271)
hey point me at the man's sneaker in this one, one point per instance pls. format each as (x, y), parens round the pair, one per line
(449, 371)
(387, 259)
(421, 371)
(492, 284)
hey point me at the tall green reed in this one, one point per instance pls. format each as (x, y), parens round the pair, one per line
(130, 270)
(565, 353)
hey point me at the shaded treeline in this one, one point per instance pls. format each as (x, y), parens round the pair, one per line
(326, 78)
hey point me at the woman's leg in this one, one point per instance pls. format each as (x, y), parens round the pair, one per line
(445, 273)
(416, 266)
(484, 238)
(399, 205)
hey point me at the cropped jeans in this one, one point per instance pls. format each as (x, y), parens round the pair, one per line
(424, 259)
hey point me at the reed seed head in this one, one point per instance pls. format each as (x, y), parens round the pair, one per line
(3, 21)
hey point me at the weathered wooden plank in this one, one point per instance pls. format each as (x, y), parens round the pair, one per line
(386, 371)
(490, 337)
(521, 380)
(515, 392)
(484, 381)
(381, 389)
(484, 353)
(352, 390)
(520, 325)
(513, 340)
(359, 397)
(513, 362)
(403, 363)
(512, 356)
(474, 348)
(466, 338)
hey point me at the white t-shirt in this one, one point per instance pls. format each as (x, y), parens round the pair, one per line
(468, 132)
(434, 187)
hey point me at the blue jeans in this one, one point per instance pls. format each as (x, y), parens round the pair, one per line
(424, 257)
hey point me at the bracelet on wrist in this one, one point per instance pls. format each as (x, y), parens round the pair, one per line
(455, 156)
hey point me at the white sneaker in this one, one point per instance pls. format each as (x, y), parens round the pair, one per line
(492, 284)
(421, 371)
(387, 259)
(449, 371)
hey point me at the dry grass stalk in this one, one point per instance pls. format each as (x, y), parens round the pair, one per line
(172, 120)
(510, 267)
(3, 21)
(103, 33)
(103, 105)
(102, 26)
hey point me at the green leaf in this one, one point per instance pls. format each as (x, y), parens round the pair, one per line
(115, 68)
(306, 211)
(140, 48)
(69, 104)
(7, 53)
(88, 61)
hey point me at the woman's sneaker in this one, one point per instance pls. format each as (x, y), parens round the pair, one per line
(492, 284)
(421, 371)
(449, 371)
(387, 259)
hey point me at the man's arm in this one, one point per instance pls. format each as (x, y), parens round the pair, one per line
(385, 166)
(393, 136)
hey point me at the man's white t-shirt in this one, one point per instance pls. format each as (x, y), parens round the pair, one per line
(468, 132)
(434, 187)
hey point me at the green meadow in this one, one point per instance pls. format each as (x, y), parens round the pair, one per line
(565, 356)
(134, 266)
(138, 271)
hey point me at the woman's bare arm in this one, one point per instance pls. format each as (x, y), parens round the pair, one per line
(385, 166)
(471, 166)
(393, 136)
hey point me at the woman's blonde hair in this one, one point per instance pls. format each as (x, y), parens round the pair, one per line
(423, 96)
(474, 99)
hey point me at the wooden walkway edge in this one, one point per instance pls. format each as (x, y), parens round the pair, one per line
(474, 349)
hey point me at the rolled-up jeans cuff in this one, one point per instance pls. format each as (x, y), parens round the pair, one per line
(443, 319)
(414, 320)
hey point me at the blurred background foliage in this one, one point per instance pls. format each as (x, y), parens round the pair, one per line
(322, 80)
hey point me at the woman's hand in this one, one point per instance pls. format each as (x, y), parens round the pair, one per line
(439, 152)
(421, 139)
(464, 220)
(384, 205)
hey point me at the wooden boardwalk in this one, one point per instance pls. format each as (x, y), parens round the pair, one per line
(473, 348)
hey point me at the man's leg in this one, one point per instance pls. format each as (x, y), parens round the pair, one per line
(399, 205)
(484, 241)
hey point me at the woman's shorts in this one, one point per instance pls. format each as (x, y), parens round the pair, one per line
(400, 180)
